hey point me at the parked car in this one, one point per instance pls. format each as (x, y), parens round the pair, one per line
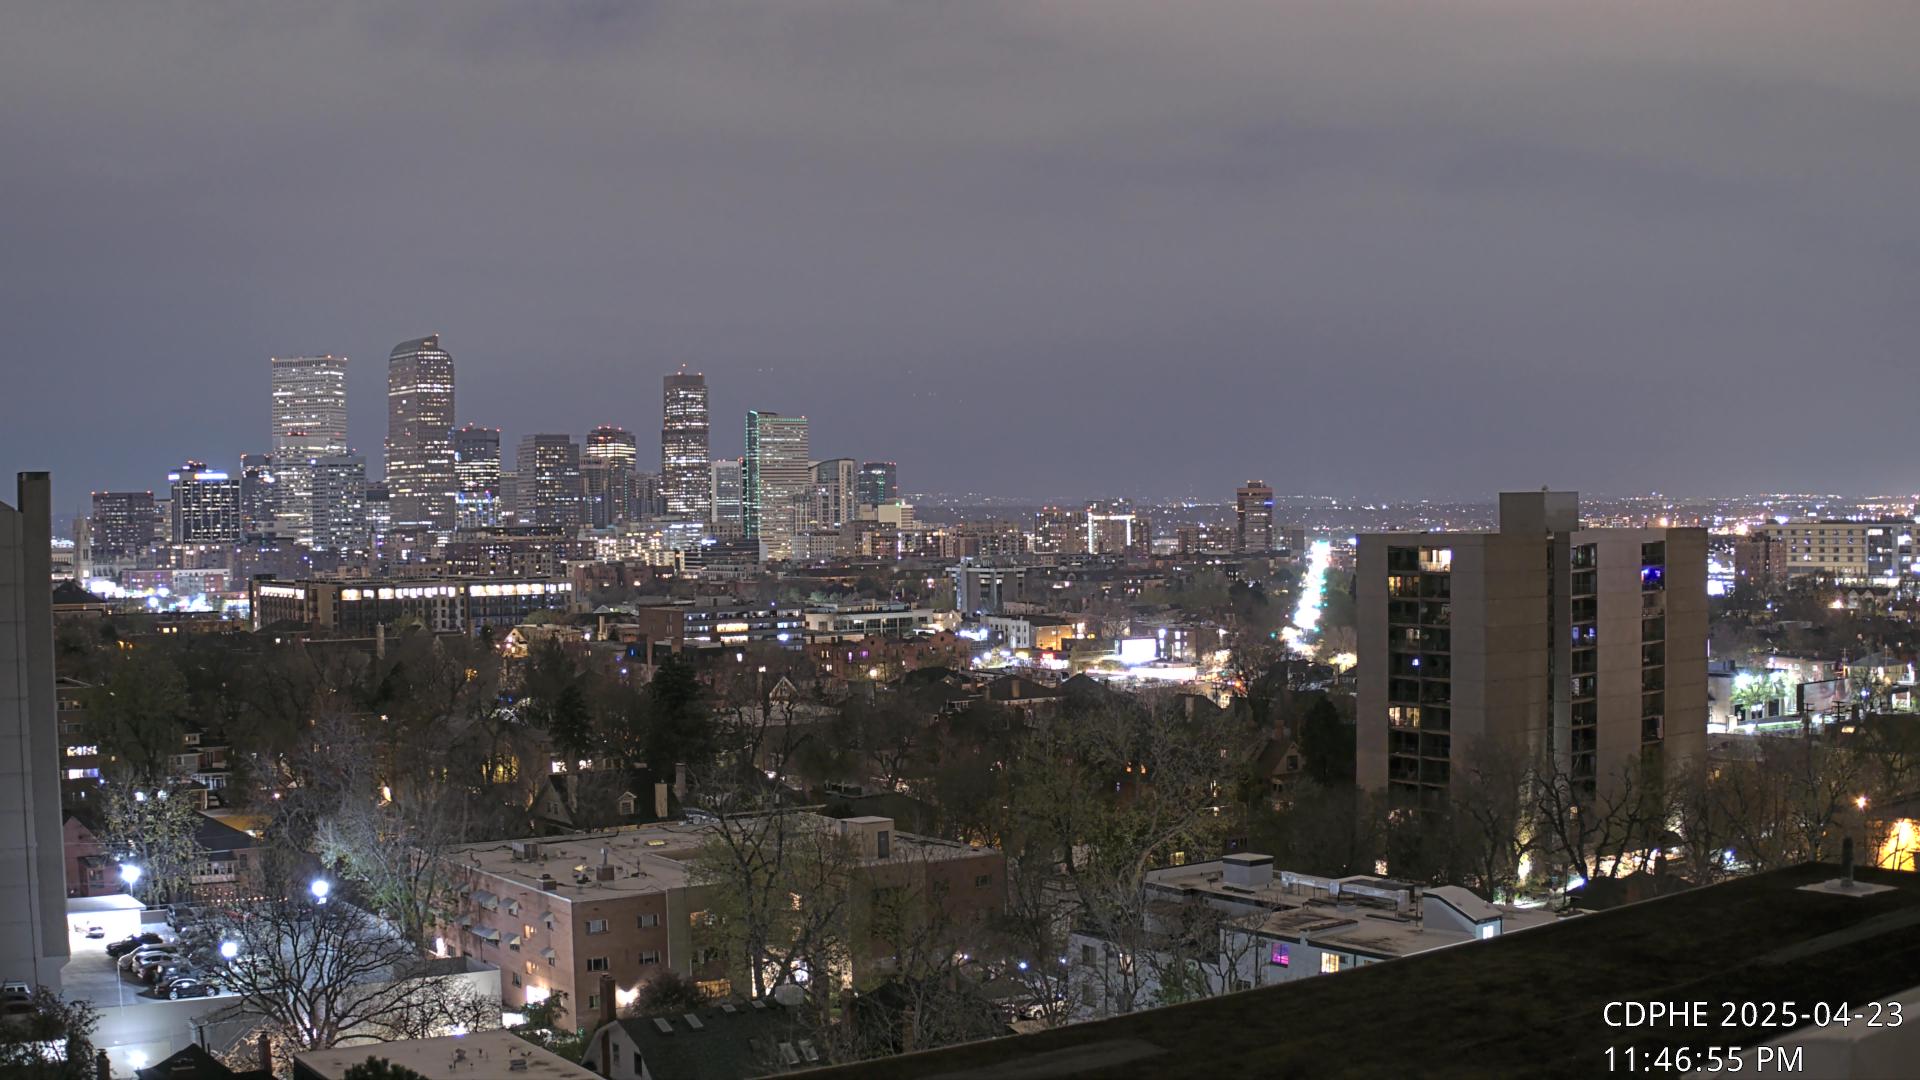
(95, 933)
(160, 966)
(126, 945)
(140, 957)
(14, 990)
(191, 987)
(165, 980)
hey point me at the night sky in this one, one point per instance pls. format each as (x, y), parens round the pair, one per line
(1061, 249)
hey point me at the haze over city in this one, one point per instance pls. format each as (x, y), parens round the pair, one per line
(1389, 249)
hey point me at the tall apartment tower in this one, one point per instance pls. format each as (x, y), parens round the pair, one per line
(1585, 649)
(420, 472)
(684, 477)
(33, 890)
(609, 470)
(728, 497)
(548, 470)
(879, 483)
(833, 492)
(1253, 517)
(476, 468)
(778, 482)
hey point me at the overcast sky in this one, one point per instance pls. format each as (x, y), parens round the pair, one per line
(1046, 249)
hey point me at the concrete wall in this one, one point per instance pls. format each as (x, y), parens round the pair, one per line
(33, 939)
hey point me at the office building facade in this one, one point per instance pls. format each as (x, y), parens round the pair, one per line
(476, 468)
(1582, 650)
(550, 491)
(778, 482)
(684, 479)
(727, 498)
(123, 526)
(205, 505)
(421, 480)
(309, 417)
(879, 483)
(609, 468)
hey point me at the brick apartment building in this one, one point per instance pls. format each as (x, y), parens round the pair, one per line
(558, 912)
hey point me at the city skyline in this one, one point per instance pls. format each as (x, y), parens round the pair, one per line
(1571, 200)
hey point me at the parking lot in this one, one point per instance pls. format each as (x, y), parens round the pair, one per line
(94, 975)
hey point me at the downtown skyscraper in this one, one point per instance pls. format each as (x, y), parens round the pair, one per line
(476, 464)
(684, 477)
(420, 404)
(309, 406)
(609, 472)
(778, 482)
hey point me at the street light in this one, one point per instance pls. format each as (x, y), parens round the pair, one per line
(130, 874)
(319, 888)
(229, 950)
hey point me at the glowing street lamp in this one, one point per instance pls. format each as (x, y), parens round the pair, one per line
(130, 874)
(320, 887)
(229, 950)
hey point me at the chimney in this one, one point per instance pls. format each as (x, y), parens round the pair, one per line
(606, 998)
(605, 1027)
(603, 856)
(660, 801)
(680, 780)
(102, 1068)
(603, 873)
(266, 1055)
(380, 641)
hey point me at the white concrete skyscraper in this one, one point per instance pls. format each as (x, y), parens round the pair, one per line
(684, 477)
(309, 406)
(420, 475)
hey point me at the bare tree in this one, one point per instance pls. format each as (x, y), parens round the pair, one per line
(319, 974)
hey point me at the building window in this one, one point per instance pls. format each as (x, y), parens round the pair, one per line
(596, 963)
(593, 1001)
(1279, 957)
(648, 922)
(516, 978)
(596, 926)
(883, 841)
(1329, 963)
(650, 956)
(982, 881)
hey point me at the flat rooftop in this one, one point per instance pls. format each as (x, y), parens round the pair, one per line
(645, 858)
(1521, 1005)
(480, 1053)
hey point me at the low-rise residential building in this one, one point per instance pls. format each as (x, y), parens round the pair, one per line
(727, 1041)
(557, 913)
(1243, 927)
(474, 1054)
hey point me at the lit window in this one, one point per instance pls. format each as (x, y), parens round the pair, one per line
(1329, 963)
(1279, 957)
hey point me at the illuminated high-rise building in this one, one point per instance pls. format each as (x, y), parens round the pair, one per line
(548, 469)
(476, 466)
(205, 505)
(1253, 517)
(879, 483)
(684, 477)
(609, 474)
(420, 403)
(339, 520)
(123, 527)
(1115, 527)
(309, 406)
(778, 482)
(833, 492)
(727, 497)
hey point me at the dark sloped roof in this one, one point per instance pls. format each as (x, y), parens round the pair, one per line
(193, 1063)
(728, 1045)
(68, 593)
(216, 835)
